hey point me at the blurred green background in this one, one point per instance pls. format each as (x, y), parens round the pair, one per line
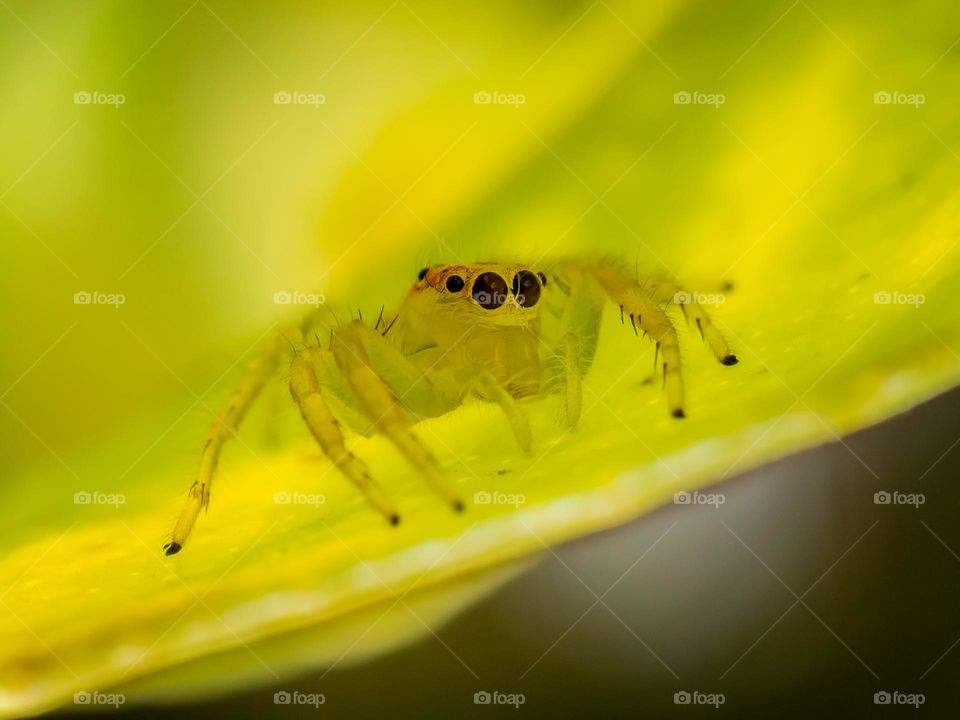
(204, 193)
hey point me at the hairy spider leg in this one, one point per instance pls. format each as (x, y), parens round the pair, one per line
(224, 427)
(645, 314)
(306, 390)
(665, 290)
(386, 411)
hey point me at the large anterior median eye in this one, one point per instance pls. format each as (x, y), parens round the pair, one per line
(490, 290)
(526, 289)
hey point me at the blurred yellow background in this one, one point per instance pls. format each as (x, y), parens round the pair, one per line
(199, 196)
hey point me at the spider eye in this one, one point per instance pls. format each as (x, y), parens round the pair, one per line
(490, 291)
(422, 275)
(455, 283)
(526, 289)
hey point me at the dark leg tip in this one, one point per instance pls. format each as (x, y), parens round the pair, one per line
(458, 506)
(730, 360)
(679, 414)
(394, 519)
(172, 548)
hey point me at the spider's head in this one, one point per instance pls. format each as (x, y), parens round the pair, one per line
(488, 293)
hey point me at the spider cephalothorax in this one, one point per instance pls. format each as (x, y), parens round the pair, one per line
(500, 331)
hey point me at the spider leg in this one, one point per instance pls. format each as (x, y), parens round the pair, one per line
(489, 389)
(573, 385)
(570, 359)
(667, 291)
(306, 390)
(385, 410)
(224, 427)
(646, 315)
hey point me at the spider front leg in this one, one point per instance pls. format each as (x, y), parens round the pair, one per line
(643, 307)
(642, 304)
(224, 427)
(645, 314)
(323, 425)
(668, 291)
(385, 409)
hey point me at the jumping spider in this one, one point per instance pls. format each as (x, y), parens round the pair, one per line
(499, 331)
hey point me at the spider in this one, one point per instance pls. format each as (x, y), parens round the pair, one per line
(496, 330)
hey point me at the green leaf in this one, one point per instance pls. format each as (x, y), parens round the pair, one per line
(834, 219)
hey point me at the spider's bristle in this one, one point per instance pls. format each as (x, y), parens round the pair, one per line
(397, 317)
